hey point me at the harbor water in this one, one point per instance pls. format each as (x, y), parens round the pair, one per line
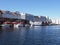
(36, 35)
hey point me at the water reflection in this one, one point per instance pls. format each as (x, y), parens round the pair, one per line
(38, 35)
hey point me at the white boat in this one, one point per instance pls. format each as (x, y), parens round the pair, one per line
(5, 25)
(26, 25)
(36, 23)
(18, 25)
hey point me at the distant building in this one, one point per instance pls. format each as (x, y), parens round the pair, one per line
(56, 21)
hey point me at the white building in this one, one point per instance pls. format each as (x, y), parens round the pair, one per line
(8, 14)
(26, 16)
(36, 19)
(43, 18)
(56, 21)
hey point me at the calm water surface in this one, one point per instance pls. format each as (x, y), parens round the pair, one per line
(38, 35)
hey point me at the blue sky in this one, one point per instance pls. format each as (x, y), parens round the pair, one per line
(49, 8)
